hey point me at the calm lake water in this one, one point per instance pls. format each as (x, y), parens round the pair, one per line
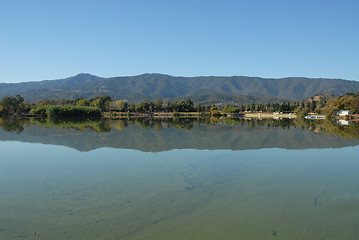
(238, 180)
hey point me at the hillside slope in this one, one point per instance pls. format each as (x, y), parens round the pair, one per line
(151, 86)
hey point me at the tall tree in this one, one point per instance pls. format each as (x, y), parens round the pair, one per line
(12, 104)
(158, 105)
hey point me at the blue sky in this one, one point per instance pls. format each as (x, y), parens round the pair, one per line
(54, 39)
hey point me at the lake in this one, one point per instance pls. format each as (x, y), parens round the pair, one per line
(179, 179)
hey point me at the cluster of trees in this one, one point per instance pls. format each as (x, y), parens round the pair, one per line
(106, 104)
(328, 106)
(94, 106)
(59, 111)
(349, 101)
(103, 103)
(189, 106)
(12, 105)
(52, 108)
(150, 106)
(309, 107)
(269, 107)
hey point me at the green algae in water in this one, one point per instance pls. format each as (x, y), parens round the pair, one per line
(59, 193)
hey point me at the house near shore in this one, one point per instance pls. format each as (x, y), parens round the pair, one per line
(343, 113)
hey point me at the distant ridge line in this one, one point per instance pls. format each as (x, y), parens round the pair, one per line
(152, 85)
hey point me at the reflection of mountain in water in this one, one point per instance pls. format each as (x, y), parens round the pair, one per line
(237, 136)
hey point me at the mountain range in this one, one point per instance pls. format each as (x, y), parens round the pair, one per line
(201, 89)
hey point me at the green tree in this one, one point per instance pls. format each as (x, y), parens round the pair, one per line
(102, 103)
(82, 102)
(242, 108)
(12, 105)
(2, 110)
(253, 107)
(159, 103)
(145, 106)
(313, 106)
(121, 105)
(169, 107)
(183, 106)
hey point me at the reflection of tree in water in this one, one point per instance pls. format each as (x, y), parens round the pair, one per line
(188, 123)
(329, 127)
(182, 123)
(104, 125)
(148, 123)
(144, 122)
(12, 125)
(99, 125)
(351, 131)
(119, 124)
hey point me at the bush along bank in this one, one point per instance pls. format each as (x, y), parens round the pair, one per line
(62, 111)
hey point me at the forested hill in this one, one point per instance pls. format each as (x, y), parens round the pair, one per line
(150, 86)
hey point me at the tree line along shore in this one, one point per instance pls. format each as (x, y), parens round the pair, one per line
(104, 106)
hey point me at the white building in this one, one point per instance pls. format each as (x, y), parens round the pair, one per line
(344, 113)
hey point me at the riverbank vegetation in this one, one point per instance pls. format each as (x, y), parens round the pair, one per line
(59, 111)
(328, 105)
(105, 106)
(94, 106)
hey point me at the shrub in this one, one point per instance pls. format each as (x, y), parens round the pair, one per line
(60, 111)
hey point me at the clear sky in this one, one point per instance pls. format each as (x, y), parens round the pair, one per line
(51, 39)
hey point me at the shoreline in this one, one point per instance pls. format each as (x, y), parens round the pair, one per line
(270, 115)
